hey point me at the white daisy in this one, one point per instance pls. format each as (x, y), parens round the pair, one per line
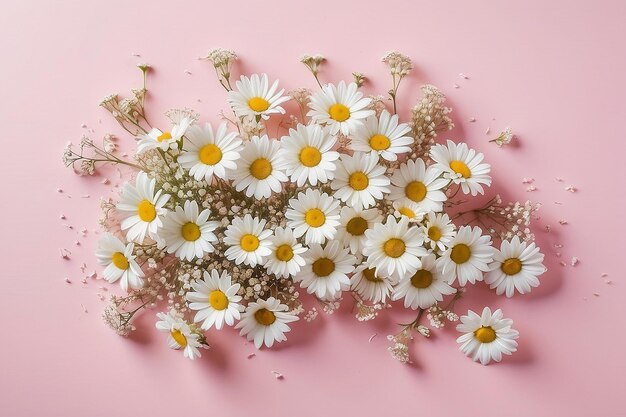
(215, 297)
(248, 241)
(419, 184)
(394, 247)
(340, 107)
(425, 287)
(409, 209)
(314, 215)
(265, 321)
(187, 233)
(486, 337)
(326, 270)
(467, 256)
(164, 140)
(370, 285)
(438, 231)
(179, 335)
(260, 169)
(516, 266)
(462, 166)
(308, 154)
(382, 136)
(206, 154)
(352, 226)
(254, 97)
(286, 257)
(359, 180)
(119, 262)
(141, 208)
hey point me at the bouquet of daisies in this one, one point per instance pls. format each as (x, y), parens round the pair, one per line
(232, 225)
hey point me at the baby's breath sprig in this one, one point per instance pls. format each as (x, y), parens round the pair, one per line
(84, 164)
(429, 117)
(222, 60)
(313, 62)
(399, 65)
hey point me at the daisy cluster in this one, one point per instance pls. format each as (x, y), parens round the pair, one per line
(230, 225)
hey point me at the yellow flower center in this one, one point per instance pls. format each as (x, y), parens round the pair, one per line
(434, 233)
(339, 112)
(359, 181)
(416, 191)
(405, 211)
(323, 267)
(379, 142)
(370, 275)
(146, 211)
(460, 253)
(218, 300)
(310, 156)
(265, 317)
(357, 226)
(164, 136)
(210, 154)
(179, 338)
(394, 247)
(511, 266)
(460, 168)
(249, 242)
(284, 253)
(314, 217)
(422, 279)
(119, 260)
(190, 231)
(485, 334)
(261, 168)
(258, 104)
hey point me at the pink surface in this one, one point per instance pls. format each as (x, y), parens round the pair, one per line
(554, 71)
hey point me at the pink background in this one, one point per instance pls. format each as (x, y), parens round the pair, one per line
(554, 71)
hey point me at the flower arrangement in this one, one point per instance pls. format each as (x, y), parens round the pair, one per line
(230, 225)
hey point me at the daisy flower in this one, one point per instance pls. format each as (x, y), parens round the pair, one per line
(394, 247)
(260, 169)
(360, 180)
(156, 138)
(207, 154)
(314, 215)
(119, 262)
(406, 207)
(461, 165)
(187, 233)
(419, 184)
(516, 266)
(382, 136)
(248, 241)
(370, 285)
(326, 270)
(141, 208)
(179, 335)
(265, 321)
(438, 231)
(352, 226)
(340, 107)
(254, 97)
(425, 287)
(308, 154)
(486, 337)
(215, 297)
(467, 256)
(286, 257)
